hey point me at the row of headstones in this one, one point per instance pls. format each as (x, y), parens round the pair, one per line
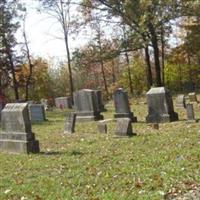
(16, 135)
(159, 100)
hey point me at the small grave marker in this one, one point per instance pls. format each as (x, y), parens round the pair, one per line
(124, 127)
(70, 123)
(190, 113)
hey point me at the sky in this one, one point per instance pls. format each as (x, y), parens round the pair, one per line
(45, 36)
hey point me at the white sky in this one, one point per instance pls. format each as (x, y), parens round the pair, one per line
(43, 33)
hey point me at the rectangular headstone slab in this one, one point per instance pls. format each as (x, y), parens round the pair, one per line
(102, 127)
(70, 123)
(45, 103)
(1, 108)
(85, 104)
(63, 102)
(16, 135)
(36, 112)
(99, 101)
(180, 101)
(190, 113)
(121, 103)
(160, 106)
(124, 127)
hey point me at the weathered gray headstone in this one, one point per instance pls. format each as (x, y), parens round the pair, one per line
(160, 106)
(122, 108)
(70, 123)
(190, 113)
(99, 101)
(63, 102)
(193, 97)
(180, 101)
(1, 108)
(36, 112)
(45, 103)
(124, 127)
(85, 105)
(102, 127)
(16, 135)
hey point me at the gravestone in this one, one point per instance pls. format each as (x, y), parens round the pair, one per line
(102, 127)
(121, 103)
(36, 112)
(45, 103)
(180, 101)
(190, 113)
(70, 123)
(160, 106)
(193, 97)
(124, 127)
(63, 102)
(85, 105)
(99, 101)
(16, 135)
(1, 108)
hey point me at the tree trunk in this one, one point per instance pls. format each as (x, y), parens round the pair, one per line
(65, 30)
(129, 73)
(148, 68)
(113, 72)
(104, 78)
(163, 55)
(154, 41)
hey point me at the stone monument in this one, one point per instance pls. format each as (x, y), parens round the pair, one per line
(124, 127)
(180, 101)
(45, 103)
(122, 108)
(99, 101)
(160, 106)
(190, 113)
(16, 135)
(70, 123)
(85, 105)
(63, 102)
(36, 112)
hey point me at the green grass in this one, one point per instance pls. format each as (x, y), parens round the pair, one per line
(94, 166)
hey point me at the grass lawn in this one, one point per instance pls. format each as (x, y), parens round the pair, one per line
(93, 166)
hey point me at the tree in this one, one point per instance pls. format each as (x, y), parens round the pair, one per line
(146, 18)
(9, 23)
(60, 10)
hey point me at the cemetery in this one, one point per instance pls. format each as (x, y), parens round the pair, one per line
(99, 100)
(106, 159)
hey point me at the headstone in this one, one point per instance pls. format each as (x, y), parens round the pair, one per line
(70, 123)
(190, 113)
(193, 97)
(160, 106)
(122, 108)
(45, 103)
(99, 101)
(180, 101)
(85, 105)
(63, 102)
(16, 135)
(102, 127)
(124, 127)
(36, 112)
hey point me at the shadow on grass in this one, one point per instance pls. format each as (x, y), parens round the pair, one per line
(70, 153)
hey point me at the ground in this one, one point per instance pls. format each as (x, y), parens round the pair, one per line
(155, 164)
